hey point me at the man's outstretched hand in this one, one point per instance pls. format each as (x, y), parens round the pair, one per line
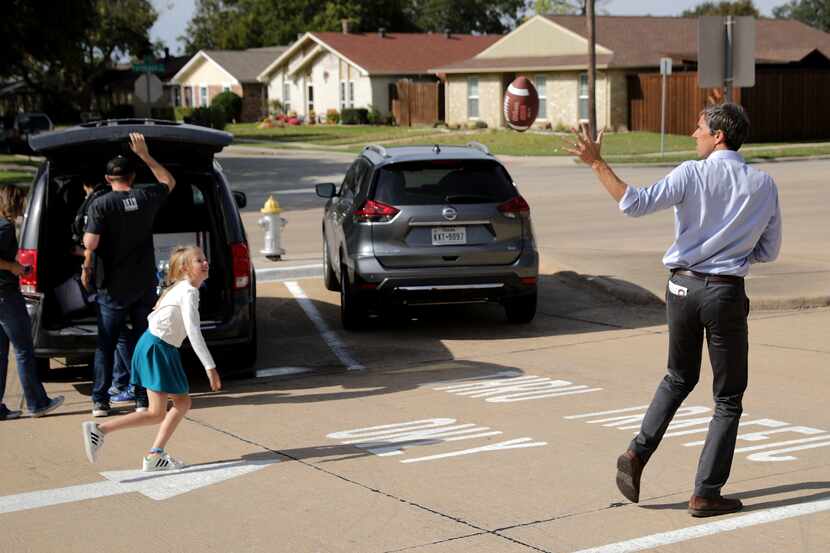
(138, 145)
(584, 147)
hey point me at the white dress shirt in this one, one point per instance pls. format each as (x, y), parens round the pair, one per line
(176, 317)
(726, 214)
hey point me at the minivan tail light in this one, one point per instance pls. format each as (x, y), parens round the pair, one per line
(241, 265)
(514, 206)
(374, 212)
(28, 282)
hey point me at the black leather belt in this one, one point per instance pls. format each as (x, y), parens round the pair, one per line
(730, 279)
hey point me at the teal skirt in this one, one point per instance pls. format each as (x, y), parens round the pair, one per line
(157, 366)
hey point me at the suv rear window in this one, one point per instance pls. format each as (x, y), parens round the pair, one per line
(34, 123)
(443, 181)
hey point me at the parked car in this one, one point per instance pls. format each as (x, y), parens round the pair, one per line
(201, 209)
(19, 127)
(428, 225)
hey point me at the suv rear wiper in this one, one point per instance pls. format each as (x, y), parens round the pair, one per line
(468, 198)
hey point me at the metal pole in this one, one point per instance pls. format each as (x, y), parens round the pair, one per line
(147, 76)
(662, 113)
(592, 68)
(727, 66)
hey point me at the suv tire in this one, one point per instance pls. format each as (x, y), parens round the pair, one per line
(329, 278)
(521, 309)
(352, 311)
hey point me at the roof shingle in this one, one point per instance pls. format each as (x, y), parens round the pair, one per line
(246, 65)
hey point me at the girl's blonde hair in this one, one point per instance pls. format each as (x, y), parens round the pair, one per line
(181, 259)
(12, 201)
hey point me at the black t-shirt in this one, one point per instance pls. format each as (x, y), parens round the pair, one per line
(124, 221)
(8, 252)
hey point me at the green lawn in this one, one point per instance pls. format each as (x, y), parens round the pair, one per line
(7, 159)
(15, 177)
(326, 135)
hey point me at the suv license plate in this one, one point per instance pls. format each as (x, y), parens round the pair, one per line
(443, 236)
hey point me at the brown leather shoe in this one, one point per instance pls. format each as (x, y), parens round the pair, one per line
(713, 506)
(629, 470)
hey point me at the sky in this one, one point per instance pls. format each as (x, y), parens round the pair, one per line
(175, 14)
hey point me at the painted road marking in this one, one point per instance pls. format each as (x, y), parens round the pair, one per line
(712, 528)
(329, 336)
(280, 274)
(686, 421)
(391, 439)
(158, 485)
(507, 389)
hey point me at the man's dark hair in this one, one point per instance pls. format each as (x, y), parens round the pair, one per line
(732, 120)
(120, 166)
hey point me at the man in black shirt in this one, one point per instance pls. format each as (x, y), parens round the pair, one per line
(120, 232)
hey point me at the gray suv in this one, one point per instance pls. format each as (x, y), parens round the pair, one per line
(428, 225)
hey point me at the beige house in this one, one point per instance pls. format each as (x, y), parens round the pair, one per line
(210, 72)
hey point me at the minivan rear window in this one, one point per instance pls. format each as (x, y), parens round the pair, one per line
(443, 181)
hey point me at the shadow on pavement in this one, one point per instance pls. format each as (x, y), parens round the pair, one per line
(764, 492)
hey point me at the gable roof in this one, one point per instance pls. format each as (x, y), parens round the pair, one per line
(242, 65)
(640, 41)
(392, 53)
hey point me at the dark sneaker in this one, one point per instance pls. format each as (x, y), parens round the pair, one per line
(53, 404)
(100, 409)
(629, 471)
(712, 506)
(7, 414)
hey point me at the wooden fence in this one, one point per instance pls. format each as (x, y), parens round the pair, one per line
(416, 103)
(784, 104)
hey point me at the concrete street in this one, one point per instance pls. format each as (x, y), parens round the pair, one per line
(450, 430)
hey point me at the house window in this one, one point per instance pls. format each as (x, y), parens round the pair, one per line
(351, 94)
(177, 96)
(342, 95)
(188, 96)
(472, 97)
(583, 96)
(203, 96)
(226, 88)
(541, 82)
(310, 97)
(286, 97)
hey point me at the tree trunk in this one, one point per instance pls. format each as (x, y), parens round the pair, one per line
(592, 68)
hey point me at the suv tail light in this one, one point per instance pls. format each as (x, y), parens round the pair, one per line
(241, 265)
(28, 282)
(514, 206)
(374, 212)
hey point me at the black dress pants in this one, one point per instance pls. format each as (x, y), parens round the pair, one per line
(696, 306)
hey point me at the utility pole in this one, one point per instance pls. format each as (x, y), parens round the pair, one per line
(592, 67)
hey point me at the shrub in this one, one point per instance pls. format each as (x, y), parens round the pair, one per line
(183, 112)
(312, 117)
(332, 116)
(213, 117)
(354, 116)
(477, 124)
(374, 116)
(120, 111)
(276, 106)
(166, 112)
(561, 127)
(230, 103)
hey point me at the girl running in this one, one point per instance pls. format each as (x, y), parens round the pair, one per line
(157, 366)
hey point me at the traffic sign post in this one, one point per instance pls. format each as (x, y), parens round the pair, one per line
(665, 71)
(148, 67)
(726, 52)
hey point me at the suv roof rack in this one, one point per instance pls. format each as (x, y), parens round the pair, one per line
(377, 148)
(479, 146)
(128, 121)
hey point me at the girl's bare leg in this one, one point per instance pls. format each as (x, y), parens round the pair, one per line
(181, 404)
(154, 414)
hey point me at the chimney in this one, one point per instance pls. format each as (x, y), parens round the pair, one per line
(381, 32)
(166, 53)
(299, 36)
(344, 26)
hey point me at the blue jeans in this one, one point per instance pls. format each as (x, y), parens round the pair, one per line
(16, 327)
(121, 364)
(112, 322)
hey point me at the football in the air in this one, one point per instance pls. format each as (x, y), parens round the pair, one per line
(521, 104)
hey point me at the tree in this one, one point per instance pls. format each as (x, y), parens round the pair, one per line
(815, 13)
(723, 7)
(466, 16)
(60, 49)
(564, 7)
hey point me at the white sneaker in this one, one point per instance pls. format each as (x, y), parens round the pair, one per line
(93, 440)
(161, 461)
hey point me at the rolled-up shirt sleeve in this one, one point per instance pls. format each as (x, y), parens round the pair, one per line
(192, 325)
(665, 193)
(769, 244)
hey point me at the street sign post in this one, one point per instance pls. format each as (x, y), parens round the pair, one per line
(665, 71)
(726, 52)
(148, 67)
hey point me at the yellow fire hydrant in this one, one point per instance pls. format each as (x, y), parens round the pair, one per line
(272, 223)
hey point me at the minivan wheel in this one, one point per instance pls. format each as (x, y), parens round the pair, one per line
(352, 311)
(329, 278)
(521, 309)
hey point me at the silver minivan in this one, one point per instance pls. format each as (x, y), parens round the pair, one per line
(428, 225)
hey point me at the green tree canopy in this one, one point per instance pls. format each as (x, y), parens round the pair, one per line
(239, 24)
(815, 13)
(59, 49)
(724, 7)
(564, 7)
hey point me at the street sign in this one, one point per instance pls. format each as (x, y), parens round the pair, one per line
(715, 66)
(149, 65)
(665, 66)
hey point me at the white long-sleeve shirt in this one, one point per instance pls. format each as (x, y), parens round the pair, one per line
(177, 316)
